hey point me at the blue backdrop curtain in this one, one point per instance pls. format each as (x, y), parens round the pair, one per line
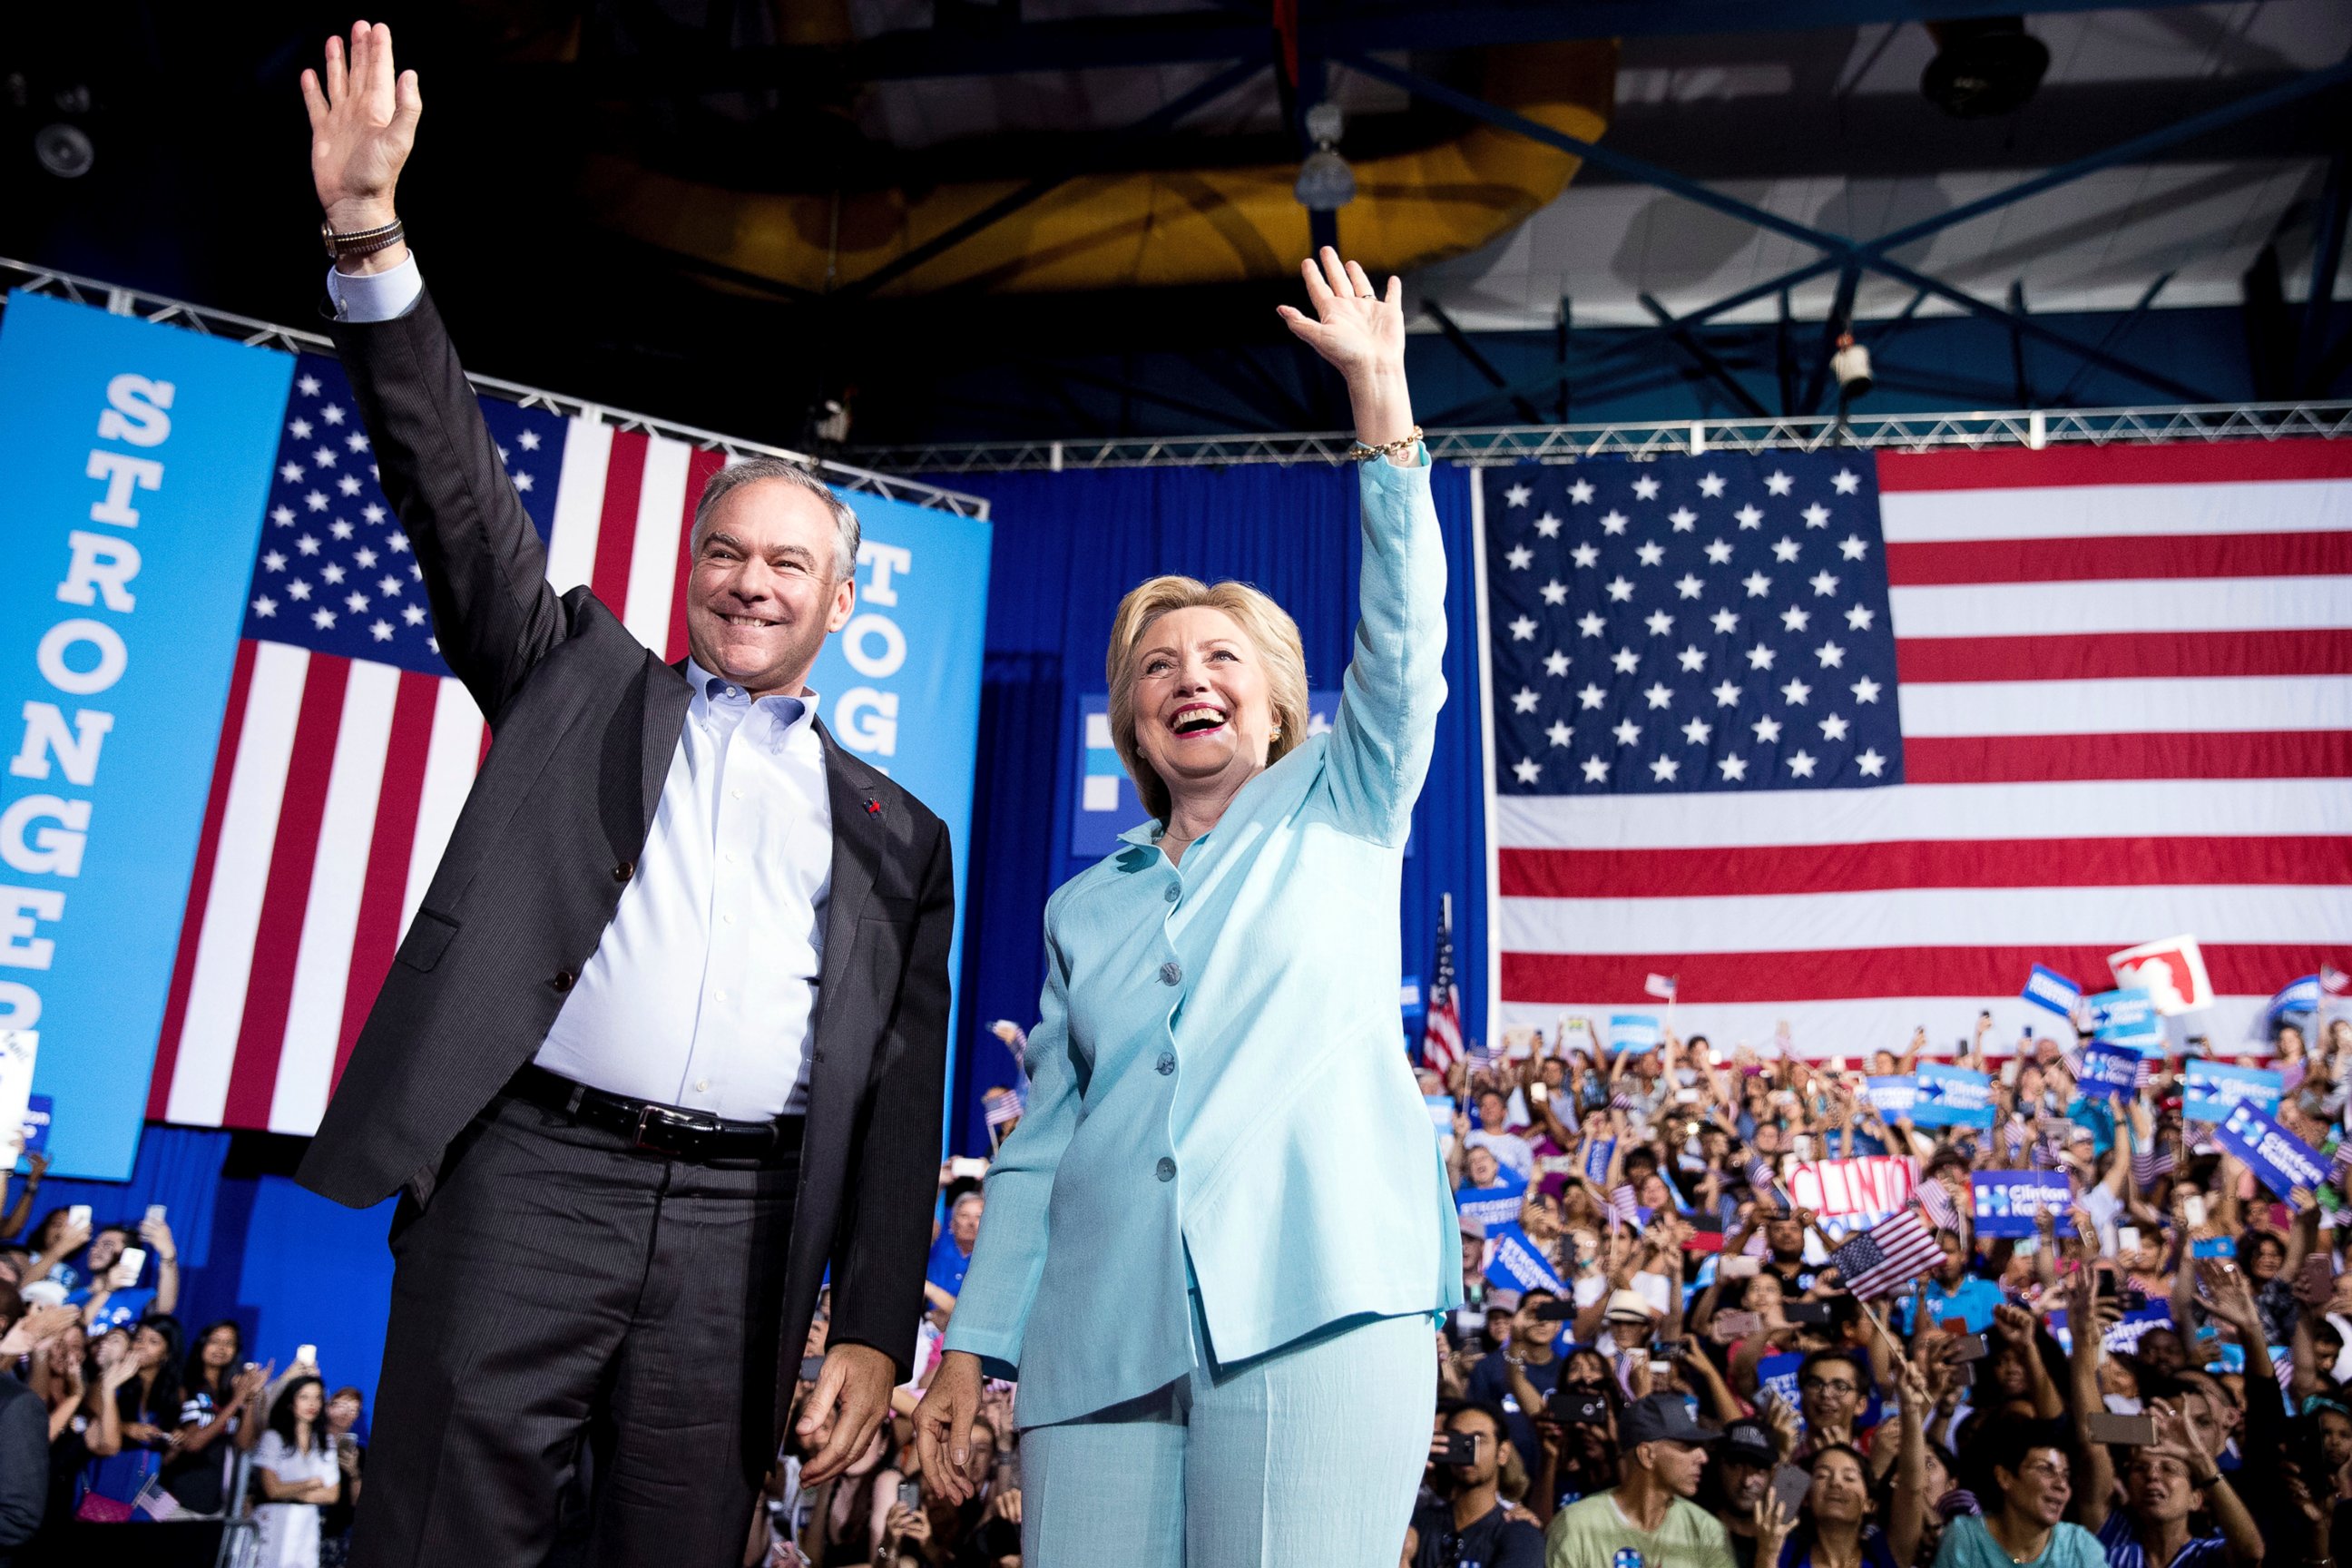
(1068, 547)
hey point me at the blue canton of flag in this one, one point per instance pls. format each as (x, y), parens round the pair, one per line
(1687, 624)
(334, 573)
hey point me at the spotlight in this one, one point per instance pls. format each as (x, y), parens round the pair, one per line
(64, 150)
(1326, 183)
(1851, 366)
(1983, 66)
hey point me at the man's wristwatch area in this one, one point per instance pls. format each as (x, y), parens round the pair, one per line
(361, 241)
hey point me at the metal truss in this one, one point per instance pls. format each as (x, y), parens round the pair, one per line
(21, 276)
(2035, 428)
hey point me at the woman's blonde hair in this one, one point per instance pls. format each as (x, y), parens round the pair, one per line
(1269, 629)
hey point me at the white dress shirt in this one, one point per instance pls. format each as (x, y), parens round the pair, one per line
(703, 990)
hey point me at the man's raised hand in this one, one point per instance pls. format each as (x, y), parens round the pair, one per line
(362, 123)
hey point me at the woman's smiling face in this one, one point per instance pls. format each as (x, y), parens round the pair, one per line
(1204, 712)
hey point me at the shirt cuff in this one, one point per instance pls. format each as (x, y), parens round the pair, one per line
(376, 296)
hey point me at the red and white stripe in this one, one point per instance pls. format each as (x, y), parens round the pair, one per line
(2126, 708)
(334, 791)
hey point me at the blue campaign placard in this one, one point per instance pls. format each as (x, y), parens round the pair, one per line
(2279, 1159)
(2110, 1069)
(1631, 1034)
(1952, 1097)
(2127, 1017)
(2213, 1086)
(2008, 1203)
(2045, 987)
(36, 1123)
(1493, 1206)
(137, 458)
(1893, 1096)
(1514, 1263)
(900, 682)
(1103, 803)
(1598, 1151)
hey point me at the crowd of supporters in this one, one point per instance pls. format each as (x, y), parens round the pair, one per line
(1661, 1363)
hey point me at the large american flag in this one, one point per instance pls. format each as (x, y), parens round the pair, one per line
(1855, 740)
(348, 747)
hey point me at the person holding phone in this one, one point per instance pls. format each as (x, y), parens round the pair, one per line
(1214, 1248)
(1472, 1527)
(296, 1474)
(1649, 1512)
(1518, 1378)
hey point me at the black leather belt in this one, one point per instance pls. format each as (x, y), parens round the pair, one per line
(653, 1127)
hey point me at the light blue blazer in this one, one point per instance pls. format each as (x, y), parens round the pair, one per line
(1217, 1070)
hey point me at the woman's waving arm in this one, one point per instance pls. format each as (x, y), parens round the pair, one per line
(1387, 725)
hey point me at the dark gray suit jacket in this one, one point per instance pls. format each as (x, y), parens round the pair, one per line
(584, 720)
(24, 1465)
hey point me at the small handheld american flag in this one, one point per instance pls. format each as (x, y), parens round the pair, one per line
(1765, 1185)
(1440, 1032)
(1887, 1257)
(1937, 1206)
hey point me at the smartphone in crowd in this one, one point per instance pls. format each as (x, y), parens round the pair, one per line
(306, 1355)
(2128, 1237)
(1802, 1144)
(126, 1268)
(1790, 1485)
(2129, 1431)
(1738, 1324)
(1540, 1092)
(1968, 1348)
(1739, 1266)
(77, 1216)
(155, 1214)
(1817, 1312)
(1460, 1448)
(1555, 1311)
(2194, 1205)
(964, 1165)
(1574, 1407)
(910, 1496)
(1686, 1096)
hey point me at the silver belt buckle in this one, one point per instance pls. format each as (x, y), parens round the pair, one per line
(683, 1122)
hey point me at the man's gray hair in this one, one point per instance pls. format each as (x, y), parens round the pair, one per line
(751, 471)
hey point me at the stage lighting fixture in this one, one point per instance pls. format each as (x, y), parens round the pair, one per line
(1851, 366)
(64, 150)
(1326, 183)
(1983, 66)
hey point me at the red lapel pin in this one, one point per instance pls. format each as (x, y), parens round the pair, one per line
(873, 806)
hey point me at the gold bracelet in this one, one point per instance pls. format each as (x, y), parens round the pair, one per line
(1365, 452)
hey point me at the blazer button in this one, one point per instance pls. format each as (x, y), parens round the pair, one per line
(1171, 972)
(563, 981)
(625, 870)
(1166, 1170)
(1166, 1064)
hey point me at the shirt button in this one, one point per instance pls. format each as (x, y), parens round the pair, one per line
(702, 1086)
(735, 794)
(563, 981)
(1171, 972)
(625, 870)
(719, 996)
(1166, 1064)
(727, 919)
(1166, 1170)
(1174, 892)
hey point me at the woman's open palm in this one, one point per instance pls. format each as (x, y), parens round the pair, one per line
(1360, 332)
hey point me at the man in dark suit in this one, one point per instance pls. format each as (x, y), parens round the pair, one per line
(665, 1040)
(23, 1439)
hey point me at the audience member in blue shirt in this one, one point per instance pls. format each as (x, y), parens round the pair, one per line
(1953, 1291)
(1534, 1351)
(952, 1253)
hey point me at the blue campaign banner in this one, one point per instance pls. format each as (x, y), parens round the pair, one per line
(138, 459)
(2110, 1069)
(2213, 1247)
(1514, 1263)
(1778, 1374)
(1892, 1097)
(2127, 1017)
(2008, 1203)
(1631, 1034)
(2213, 1086)
(1103, 804)
(1440, 1112)
(36, 1123)
(1952, 1097)
(2279, 1159)
(2045, 987)
(900, 683)
(1492, 1207)
(1598, 1152)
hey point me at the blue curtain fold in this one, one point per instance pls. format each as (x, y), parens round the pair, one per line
(178, 1167)
(1068, 547)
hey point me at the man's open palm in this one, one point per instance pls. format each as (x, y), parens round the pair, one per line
(362, 123)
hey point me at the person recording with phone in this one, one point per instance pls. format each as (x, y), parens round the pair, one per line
(1518, 1378)
(1472, 1527)
(1649, 1513)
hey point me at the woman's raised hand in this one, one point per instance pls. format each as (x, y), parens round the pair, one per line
(1361, 333)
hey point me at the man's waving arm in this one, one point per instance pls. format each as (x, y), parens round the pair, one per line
(485, 569)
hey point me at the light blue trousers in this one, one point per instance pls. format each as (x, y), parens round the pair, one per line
(1307, 1456)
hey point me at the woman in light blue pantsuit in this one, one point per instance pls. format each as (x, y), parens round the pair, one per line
(1212, 1248)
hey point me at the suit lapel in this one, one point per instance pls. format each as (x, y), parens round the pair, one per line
(666, 700)
(855, 846)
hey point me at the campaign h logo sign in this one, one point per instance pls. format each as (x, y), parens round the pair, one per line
(2172, 971)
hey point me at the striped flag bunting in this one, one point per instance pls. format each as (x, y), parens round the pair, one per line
(348, 748)
(1623, 1209)
(1856, 740)
(1887, 1257)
